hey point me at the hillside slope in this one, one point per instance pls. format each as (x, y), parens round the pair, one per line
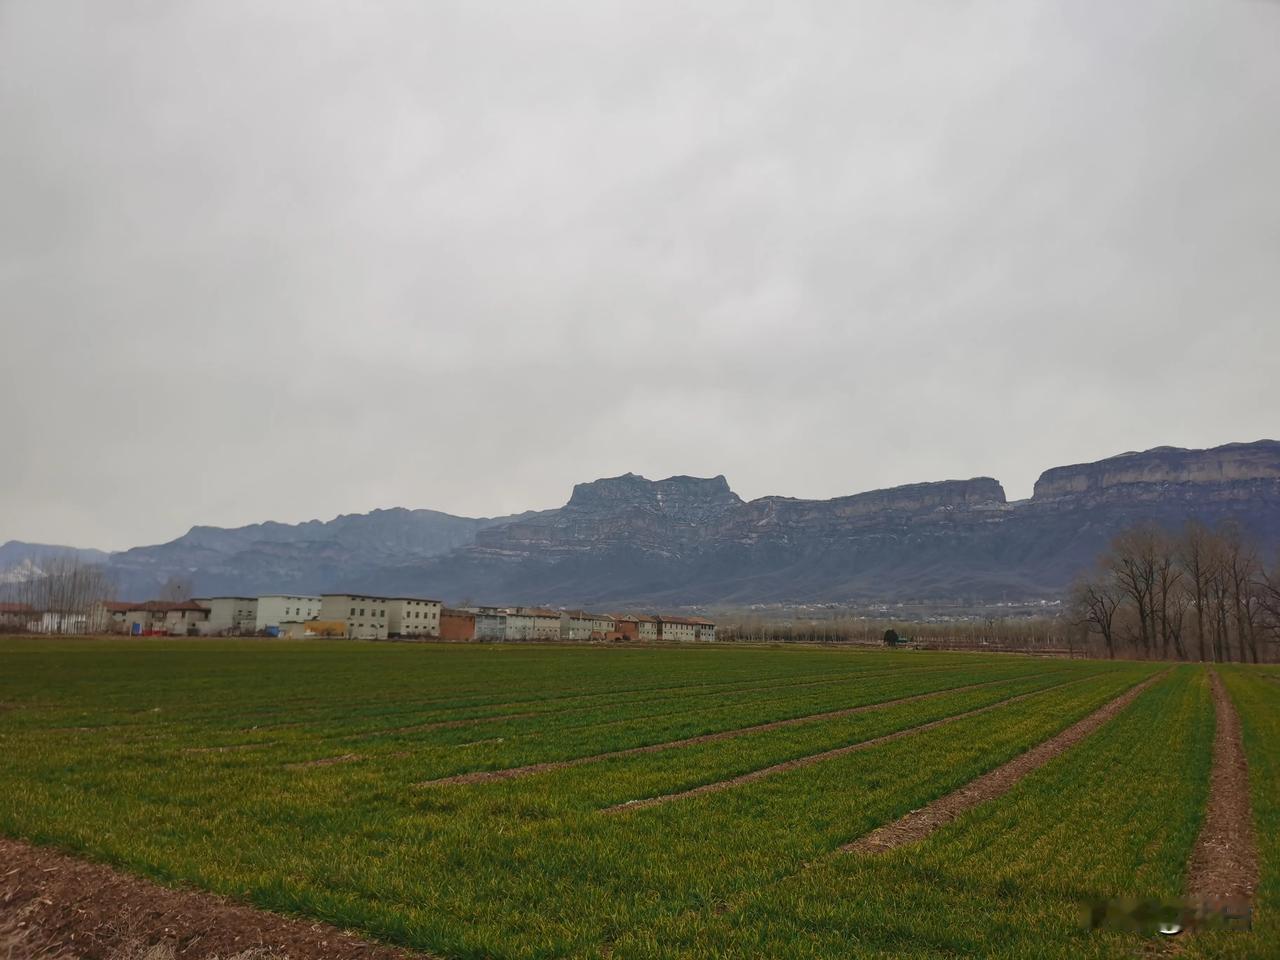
(689, 540)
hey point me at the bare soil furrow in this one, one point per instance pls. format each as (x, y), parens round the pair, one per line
(1223, 868)
(825, 755)
(53, 905)
(484, 776)
(919, 824)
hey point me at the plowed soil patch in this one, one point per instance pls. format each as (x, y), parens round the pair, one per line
(484, 776)
(919, 824)
(1223, 867)
(55, 906)
(799, 762)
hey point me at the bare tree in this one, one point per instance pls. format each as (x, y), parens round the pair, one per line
(1132, 562)
(1095, 602)
(1168, 596)
(1194, 554)
(1240, 567)
(1267, 590)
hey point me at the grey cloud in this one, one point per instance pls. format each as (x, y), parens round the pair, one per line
(289, 260)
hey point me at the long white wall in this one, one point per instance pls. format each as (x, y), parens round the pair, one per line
(275, 610)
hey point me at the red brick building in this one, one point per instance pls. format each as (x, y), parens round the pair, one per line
(457, 625)
(625, 627)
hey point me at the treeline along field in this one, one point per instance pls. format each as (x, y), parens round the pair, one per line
(519, 801)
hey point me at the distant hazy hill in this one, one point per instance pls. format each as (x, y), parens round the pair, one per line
(280, 557)
(16, 553)
(689, 540)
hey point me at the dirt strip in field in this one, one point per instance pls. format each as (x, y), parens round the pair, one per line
(799, 762)
(485, 776)
(1223, 867)
(919, 824)
(57, 907)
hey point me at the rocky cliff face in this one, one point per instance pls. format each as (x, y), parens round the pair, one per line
(693, 541)
(1153, 473)
(687, 540)
(666, 518)
(917, 502)
(1076, 510)
(682, 514)
(690, 499)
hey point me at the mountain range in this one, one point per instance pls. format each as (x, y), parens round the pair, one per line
(687, 541)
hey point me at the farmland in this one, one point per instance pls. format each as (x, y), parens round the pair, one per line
(527, 801)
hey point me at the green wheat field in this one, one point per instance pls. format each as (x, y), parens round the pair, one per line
(313, 779)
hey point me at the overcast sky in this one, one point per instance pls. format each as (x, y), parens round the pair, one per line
(286, 260)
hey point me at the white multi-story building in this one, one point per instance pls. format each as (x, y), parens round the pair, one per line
(176, 617)
(234, 615)
(532, 623)
(646, 627)
(491, 622)
(366, 617)
(285, 608)
(676, 630)
(413, 617)
(580, 625)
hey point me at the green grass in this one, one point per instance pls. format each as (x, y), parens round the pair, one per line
(1115, 817)
(96, 756)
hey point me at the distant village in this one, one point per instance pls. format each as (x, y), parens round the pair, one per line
(353, 616)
